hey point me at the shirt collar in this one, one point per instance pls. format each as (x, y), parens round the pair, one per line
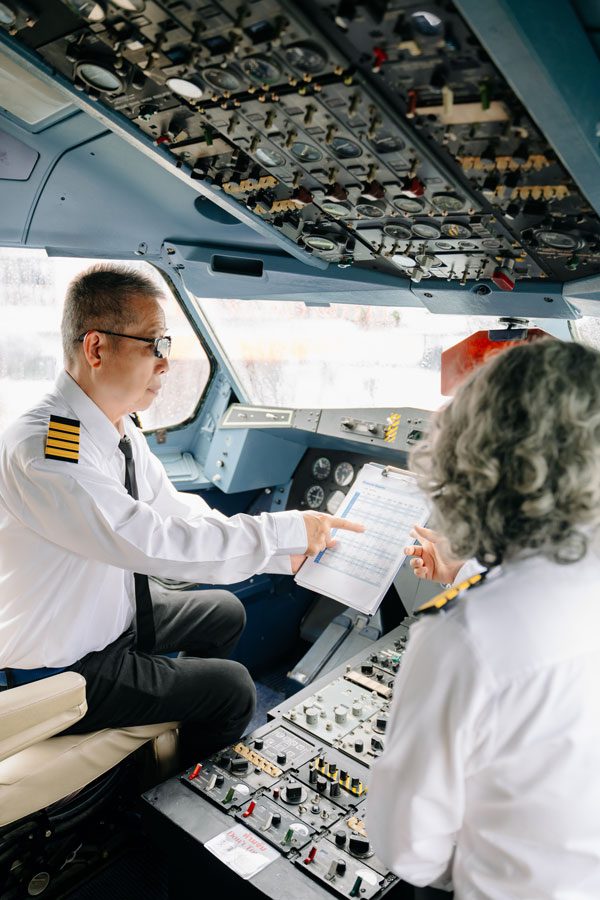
(99, 427)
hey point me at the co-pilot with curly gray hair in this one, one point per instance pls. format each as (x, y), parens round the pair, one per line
(490, 775)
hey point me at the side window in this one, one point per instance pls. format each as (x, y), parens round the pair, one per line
(32, 289)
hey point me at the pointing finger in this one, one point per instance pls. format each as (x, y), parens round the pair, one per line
(413, 550)
(346, 524)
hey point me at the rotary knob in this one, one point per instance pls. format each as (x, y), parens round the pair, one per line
(357, 710)
(282, 758)
(258, 744)
(293, 794)
(312, 715)
(359, 846)
(340, 713)
(366, 669)
(340, 838)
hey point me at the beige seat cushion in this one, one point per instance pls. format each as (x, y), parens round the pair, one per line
(48, 771)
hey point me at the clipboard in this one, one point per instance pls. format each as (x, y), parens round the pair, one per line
(361, 568)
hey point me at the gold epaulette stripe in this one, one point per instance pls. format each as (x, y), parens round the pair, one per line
(62, 439)
(440, 600)
(53, 453)
(63, 445)
(63, 436)
(61, 426)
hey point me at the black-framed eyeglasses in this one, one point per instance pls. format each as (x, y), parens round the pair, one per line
(162, 345)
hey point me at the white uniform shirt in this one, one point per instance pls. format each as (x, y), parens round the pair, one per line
(491, 767)
(71, 536)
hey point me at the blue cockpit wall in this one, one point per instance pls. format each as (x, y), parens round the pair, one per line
(99, 189)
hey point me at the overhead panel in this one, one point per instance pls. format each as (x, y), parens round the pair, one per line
(375, 135)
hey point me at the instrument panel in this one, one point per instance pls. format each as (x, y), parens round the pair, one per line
(298, 784)
(377, 135)
(324, 477)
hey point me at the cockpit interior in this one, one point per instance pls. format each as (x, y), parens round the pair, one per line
(336, 198)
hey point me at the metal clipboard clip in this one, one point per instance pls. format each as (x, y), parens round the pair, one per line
(393, 470)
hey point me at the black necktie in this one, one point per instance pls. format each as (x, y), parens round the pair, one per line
(143, 600)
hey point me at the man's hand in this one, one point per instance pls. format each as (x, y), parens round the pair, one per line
(318, 530)
(432, 560)
(297, 561)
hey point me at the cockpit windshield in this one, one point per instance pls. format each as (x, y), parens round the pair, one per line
(291, 354)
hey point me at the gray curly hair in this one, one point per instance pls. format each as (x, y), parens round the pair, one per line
(512, 464)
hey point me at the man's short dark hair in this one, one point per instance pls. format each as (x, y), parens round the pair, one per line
(101, 297)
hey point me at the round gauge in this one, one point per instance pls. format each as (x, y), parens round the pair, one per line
(455, 230)
(98, 77)
(321, 467)
(222, 79)
(306, 57)
(306, 152)
(425, 230)
(407, 262)
(8, 16)
(345, 149)
(371, 210)
(316, 242)
(387, 143)
(448, 202)
(491, 244)
(269, 158)
(408, 204)
(467, 245)
(336, 208)
(334, 501)
(261, 70)
(558, 240)
(427, 23)
(186, 89)
(444, 245)
(397, 232)
(130, 5)
(314, 496)
(343, 474)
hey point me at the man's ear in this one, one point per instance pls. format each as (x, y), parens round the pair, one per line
(93, 348)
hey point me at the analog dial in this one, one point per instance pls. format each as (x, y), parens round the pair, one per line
(345, 149)
(448, 202)
(261, 70)
(408, 205)
(397, 232)
(455, 230)
(314, 496)
(306, 152)
(317, 242)
(222, 79)
(343, 474)
(321, 467)
(425, 230)
(269, 158)
(99, 78)
(306, 57)
(183, 88)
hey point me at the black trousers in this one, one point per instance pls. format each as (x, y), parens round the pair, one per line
(213, 697)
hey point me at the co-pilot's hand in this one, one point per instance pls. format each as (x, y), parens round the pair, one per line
(432, 560)
(318, 530)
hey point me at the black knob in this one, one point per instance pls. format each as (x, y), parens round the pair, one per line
(377, 744)
(321, 785)
(220, 780)
(340, 868)
(239, 766)
(355, 782)
(340, 838)
(313, 776)
(366, 669)
(223, 761)
(332, 769)
(334, 790)
(282, 758)
(276, 820)
(358, 845)
(293, 794)
(381, 723)
(343, 775)
(258, 744)
(358, 747)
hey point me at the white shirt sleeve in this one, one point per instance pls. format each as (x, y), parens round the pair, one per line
(467, 570)
(167, 500)
(438, 722)
(88, 513)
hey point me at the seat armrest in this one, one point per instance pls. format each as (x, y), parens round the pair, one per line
(33, 712)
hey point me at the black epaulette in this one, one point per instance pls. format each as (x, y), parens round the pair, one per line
(447, 599)
(135, 419)
(62, 439)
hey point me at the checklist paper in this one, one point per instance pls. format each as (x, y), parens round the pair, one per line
(361, 568)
